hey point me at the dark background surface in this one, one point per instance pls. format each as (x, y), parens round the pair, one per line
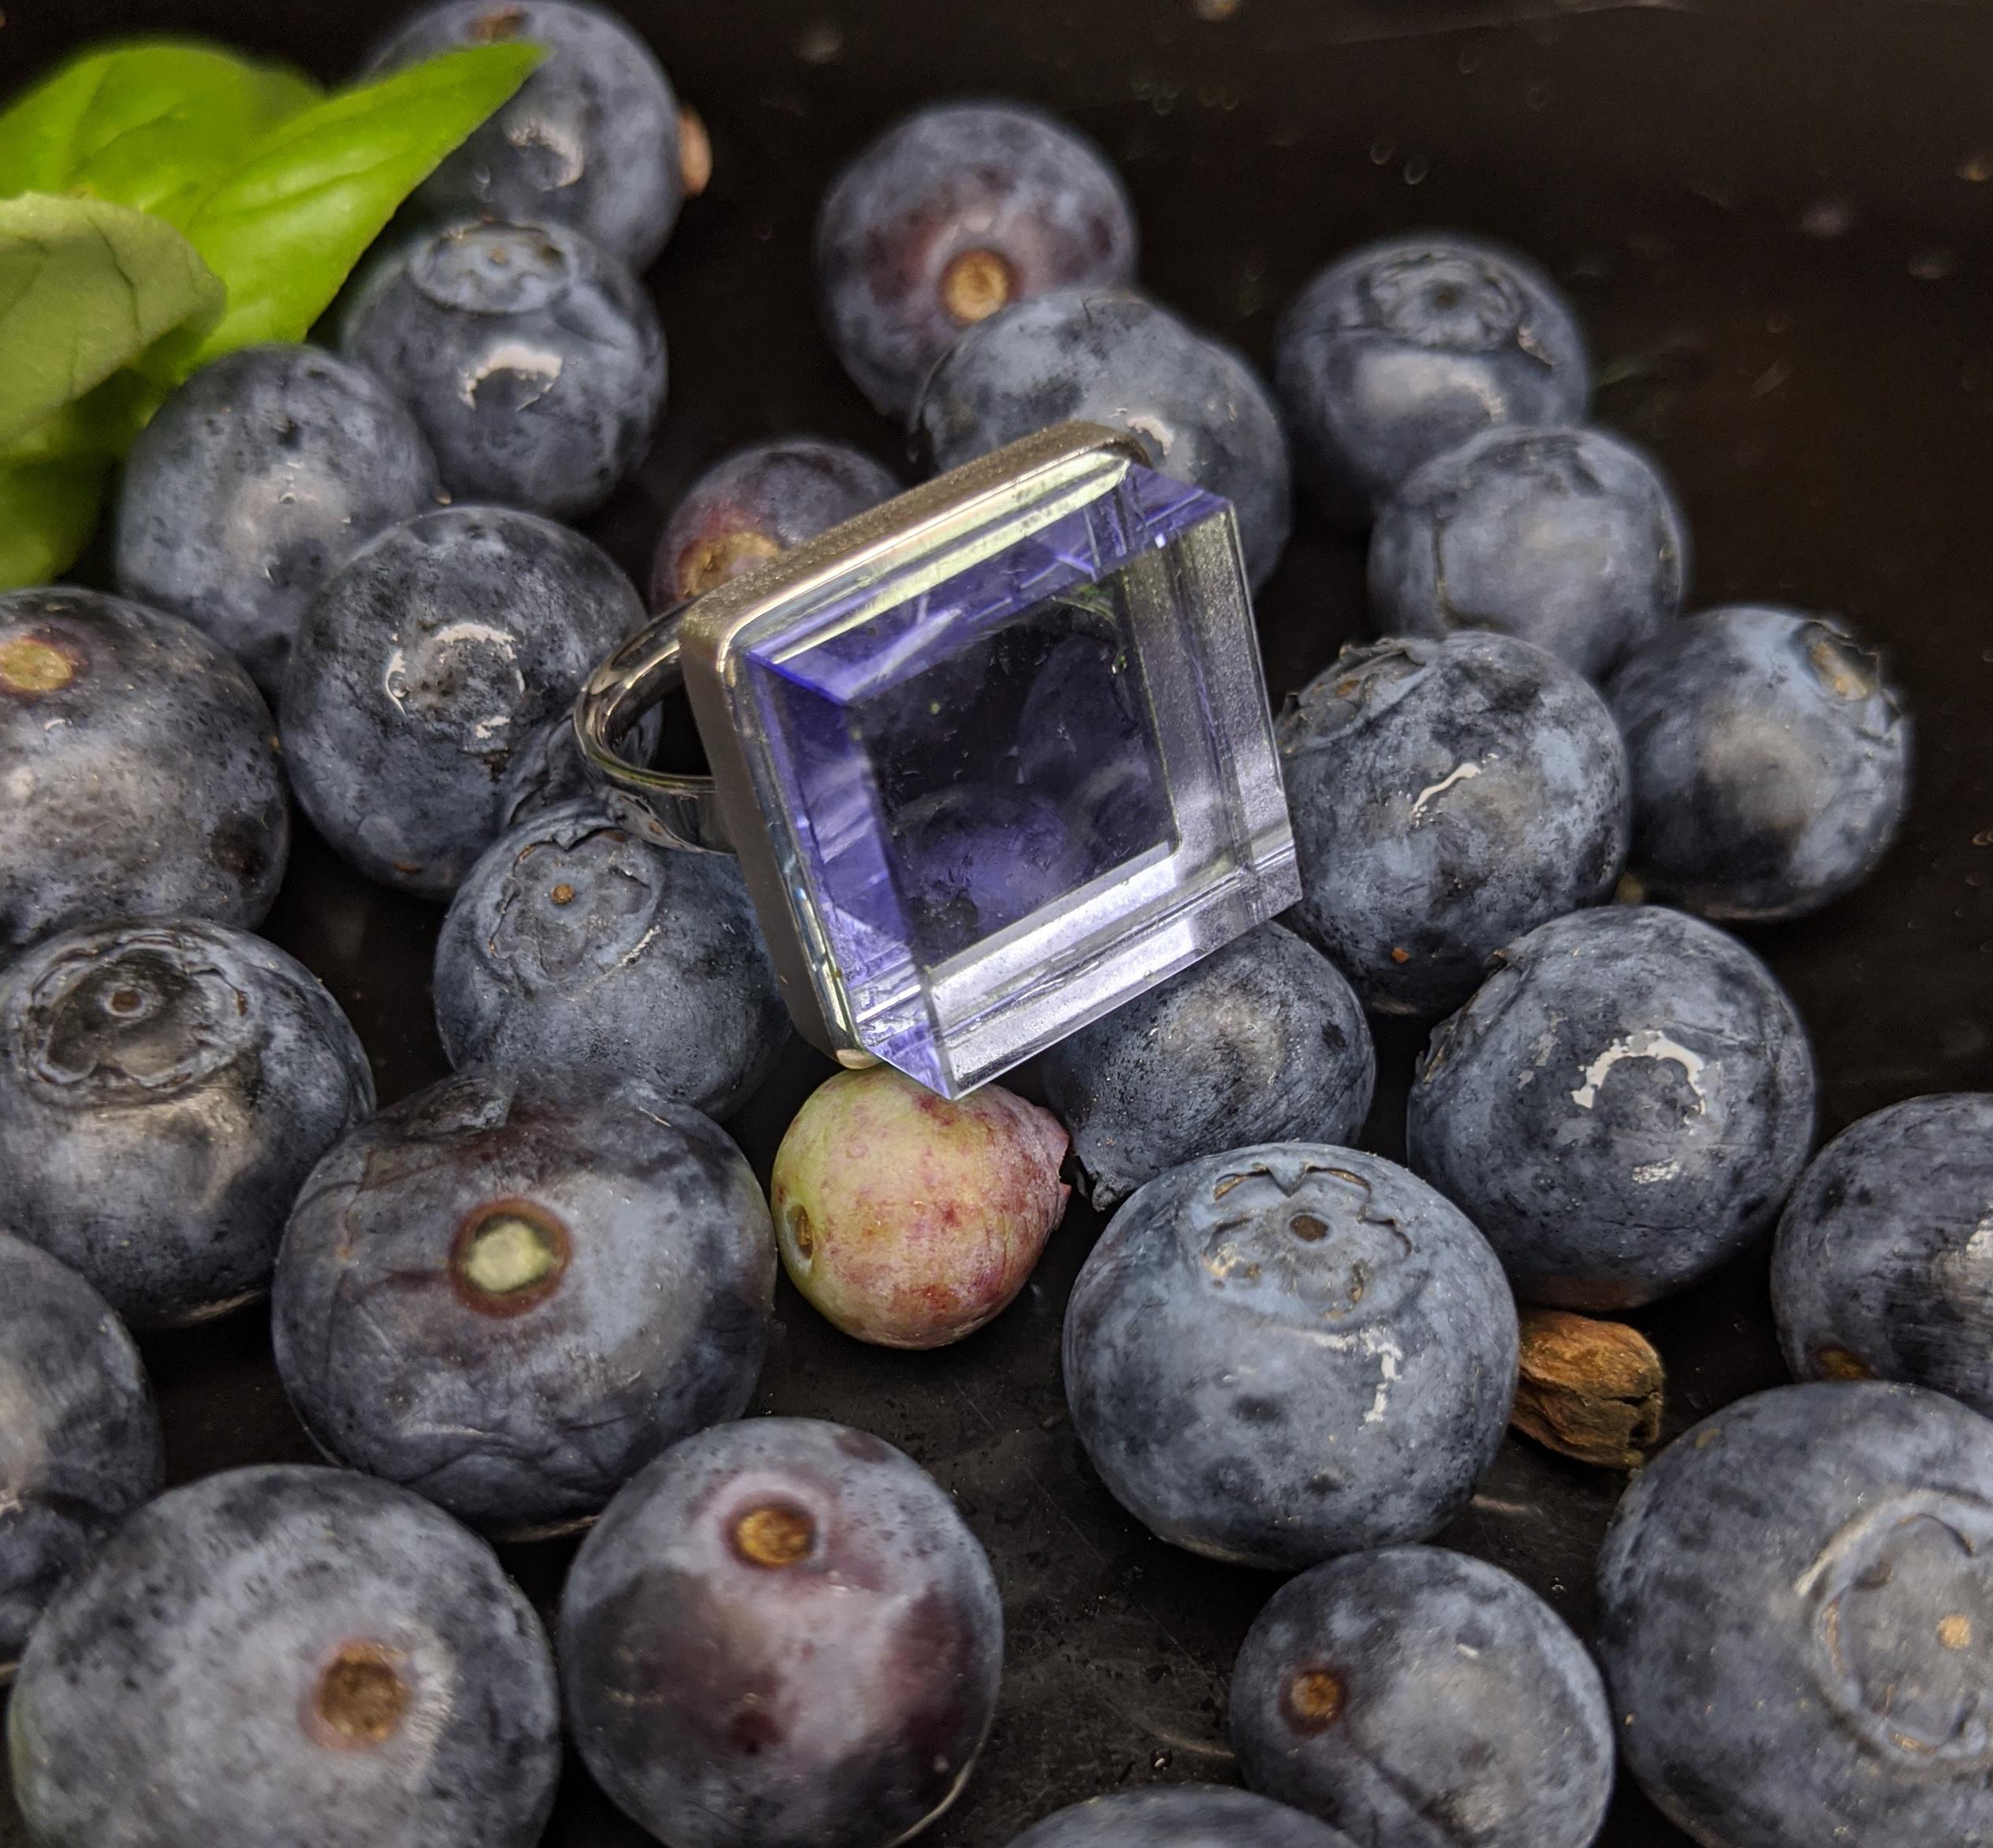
(1773, 216)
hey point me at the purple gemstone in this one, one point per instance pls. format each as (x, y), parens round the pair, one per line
(962, 758)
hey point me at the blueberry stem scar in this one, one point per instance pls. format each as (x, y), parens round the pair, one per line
(773, 1537)
(361, 1696)
(508, 1256)
(975, 284)
(27, 665)
(1314, 1699)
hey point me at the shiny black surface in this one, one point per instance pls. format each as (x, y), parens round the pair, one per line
(1773, 216)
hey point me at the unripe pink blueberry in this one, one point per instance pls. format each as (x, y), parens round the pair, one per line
(910, 1221)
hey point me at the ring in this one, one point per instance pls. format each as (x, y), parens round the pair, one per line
(995, 756)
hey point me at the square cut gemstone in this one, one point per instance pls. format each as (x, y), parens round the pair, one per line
(1019, 779)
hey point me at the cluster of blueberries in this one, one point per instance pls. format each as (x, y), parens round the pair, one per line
(537, 1296)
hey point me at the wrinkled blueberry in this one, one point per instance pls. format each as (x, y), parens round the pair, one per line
(533, 362)
(1797, 1622)
(142, 770)
(1181, 1815)
(911, 1219)
(1288, 1352)
(1771, 761)
(757, 502)
(1568, 538)
(577, 947)
(164, 1090)
(261, 475)
(1416, 1695)
(293, 1655)
(1112, 357)
(591, 140)
(1447, 796)
(1622, 1106)
(424, 665)
(80, 1445)
(1883, 1265)
(1262, 1041)
(954, 212)
(781, 1635)
(510, 1299)
(1403, 349)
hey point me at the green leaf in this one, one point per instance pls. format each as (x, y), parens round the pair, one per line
(154, 124)
(284, 230)
(48, 510)
(86, 288)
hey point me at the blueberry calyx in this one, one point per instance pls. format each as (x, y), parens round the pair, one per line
(976, 284)
(1313, 1700)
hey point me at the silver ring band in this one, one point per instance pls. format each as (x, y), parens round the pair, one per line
(673, 810)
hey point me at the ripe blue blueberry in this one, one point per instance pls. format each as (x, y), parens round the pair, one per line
(576, 947)
(1621, 1107)
(164, 1090)
(293, 1655)
(1417, 1695)
(510, 1299)
(1261, 1042)
(591, 140)
(781, 1635)
(1796, 1623)
(142, 770)
(1771, 761)
(532, 361)
(1883, 1265)
(954, 212)
(1111, 356)
(1404, 350)
(261, 475)
(81, 1447)
(1568, 538)
(1447, 796)
(1181, 1815)
(1289, 1352)
(757, 502)
(420, 669)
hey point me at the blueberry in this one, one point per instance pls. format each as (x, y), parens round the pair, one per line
(510, 1297)
(781, 1635)
(1289, 1352)
(81, 1444)
(1262, 1041)
(1417, 1695)
(757, 502)
(424, 665)
(592, 139)
(1569, 538)
(1447, 796)
(142, 770)
(1620, 1107)
(261, 475)
(576, 946)
(293, 1655)
(954, 212)
(533, 362)
(1181, 1815)
(1112, 357)
(1797, 1624)
(1883, 1265)
(1771, 761)
(164, 1090)
(1403, 349)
